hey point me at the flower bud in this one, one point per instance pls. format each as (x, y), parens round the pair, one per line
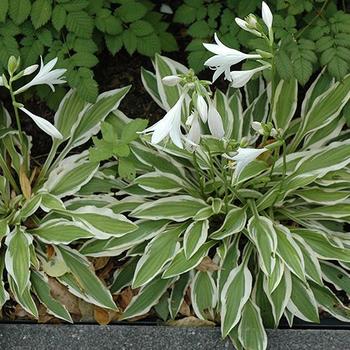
(13, 64)
(258, 128)
(171, 80)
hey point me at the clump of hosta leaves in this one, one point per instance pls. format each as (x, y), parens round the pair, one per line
(40, 230)
(250, 223)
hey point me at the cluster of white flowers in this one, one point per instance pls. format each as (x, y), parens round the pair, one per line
(226, 57)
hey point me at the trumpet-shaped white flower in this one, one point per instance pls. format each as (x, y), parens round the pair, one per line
(171, 80)
(43, 124)
(202, 108)
(46, 75)
(215, 124)
(170, 125)
(31, 69)
(194, 134)
(245, 156)
(241, 77)
(224, 58)
(266, 15)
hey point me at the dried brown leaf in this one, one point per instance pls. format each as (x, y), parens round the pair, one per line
(191, 321)
(207, 264)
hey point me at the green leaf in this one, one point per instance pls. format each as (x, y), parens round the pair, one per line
(4, 6)
(158, 182)
(177, 208)
(148, 296)
(4, 296)
(19, 10)
(185, 14)
(130, 41)
(235, 294)
(59, 16)
(251, 332)
(195, 236)
(114, 43)
(82, 271)
(80, 23)
(141, 28)
(123, 276)
(199, 29)
(131, 11)
(126, 169)
(42, 290)
(41, 13)
(204, 295)
(17, 257)
(234, 222)
(336, 275)
(158, 252)
(263, 234)
(131, 129)
(177, 294)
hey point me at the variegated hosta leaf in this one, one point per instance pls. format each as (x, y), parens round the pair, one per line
(69, 113)
(102, 222)
(322, 196)
(178, 293)
(42, 290)
(336, 275)
(4, 229)
(61, 231)
(234, 222)
(115, 246)
(330, 303)
(204, 296)
(123, 276)
(70, 175)
(181, 264)
(261, 231)
(24, 298)
(280, 296)
(30, 206)
(230, 116)
(92, 117)
(50, 202)
(251, 332)
(289, 251)
(148, 296)
(285, 103)
(17, 257)
(321, 245)
(176, 208)
(234, 295)
(302, 302)
(149, 82)
(195, 236)
(4, 296)
(277, 274)
(158, 252)
(95, 291)
(158, 182)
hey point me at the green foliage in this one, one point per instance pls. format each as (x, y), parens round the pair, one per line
(313, 34)
(75, 32)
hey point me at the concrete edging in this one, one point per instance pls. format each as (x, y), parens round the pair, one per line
(124, 337)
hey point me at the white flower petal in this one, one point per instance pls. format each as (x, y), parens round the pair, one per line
(215, 122)
(240, 78)
(202, 108)
(43, 124)
(266, 15)
(171, 80)
(31, 69)
(194, 134)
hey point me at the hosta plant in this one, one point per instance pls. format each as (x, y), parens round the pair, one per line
(39, 229)
(241, 198)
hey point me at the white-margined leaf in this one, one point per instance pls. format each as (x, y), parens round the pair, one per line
(195, 236)
(147, 297)
(149, 81)
(158, 252)
(17, 257)
(41, 288)
(4, 296)
(323, 196)
(180, 264)
(176, 208)
(70, 175)
(336, 275)
(30, 206)
(263, 235)
(251, 332)
(235, 221)
(50, 202)
(204, 295)
(178, 293)
(123, 276)
(275, 278)
(82, 270)
(61, 231)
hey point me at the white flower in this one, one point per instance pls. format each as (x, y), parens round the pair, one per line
(171, 80)
(215, 122)
(169, 125)
(258, 128)
(46, 75)
(164, 8)
(241, 77)
(31, 69)
(194, 134)
(224, 58)
(247, 26)
(245, 156)
(266, 15)
(43, 124)
(202, 108)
